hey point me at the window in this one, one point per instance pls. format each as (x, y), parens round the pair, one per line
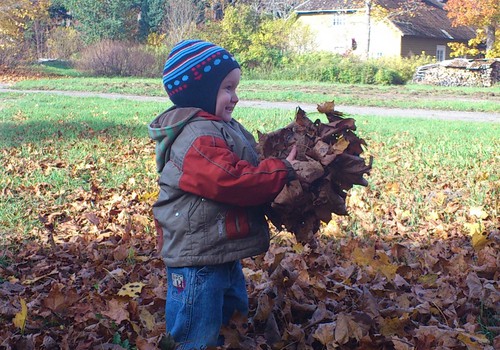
(440, 52)
(338, 19)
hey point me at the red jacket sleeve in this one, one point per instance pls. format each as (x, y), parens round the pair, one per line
(211, 170)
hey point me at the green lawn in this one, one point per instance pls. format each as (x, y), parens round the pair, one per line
(53, 146)
(405, 96)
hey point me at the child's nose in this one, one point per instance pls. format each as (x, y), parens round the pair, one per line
(235, 98)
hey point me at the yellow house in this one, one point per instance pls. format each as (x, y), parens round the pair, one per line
(386, 28)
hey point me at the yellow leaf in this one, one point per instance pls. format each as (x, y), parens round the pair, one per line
(136, 328)
(363, 257)
(146, 197)
(340, 146)
(392, 188)
(298, 248)
(428, 279)
(433, 216)
(405, 215)
(482, 176)
(147, 319)
(439, 198)
(479, 240)
(20, 318)
(473, 341)
(132, 290)
(388, 270)
(478, 212)
(141, 258)
(473, 228)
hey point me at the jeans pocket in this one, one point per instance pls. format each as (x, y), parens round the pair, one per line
(204, 274)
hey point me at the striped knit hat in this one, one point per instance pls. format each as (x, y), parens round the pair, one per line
(194, 71)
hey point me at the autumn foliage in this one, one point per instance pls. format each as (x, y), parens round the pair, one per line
(88, 276)
(85, 291)
(484, 15)
(328, 164)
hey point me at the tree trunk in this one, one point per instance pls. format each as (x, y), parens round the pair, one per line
(490, 37)
(368, 8)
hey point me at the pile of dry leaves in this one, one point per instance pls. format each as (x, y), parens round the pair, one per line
(328, 164)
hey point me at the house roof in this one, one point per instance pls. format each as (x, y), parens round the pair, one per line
(429, 21)
(324, 6)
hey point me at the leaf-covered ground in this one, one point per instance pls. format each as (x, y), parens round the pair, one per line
(414, 266)
(90, 279)
(93, 281)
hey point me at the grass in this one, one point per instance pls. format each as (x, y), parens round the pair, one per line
(53, 146)
(57, 68)
(406, 96)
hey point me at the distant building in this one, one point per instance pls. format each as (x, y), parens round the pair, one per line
(341, 26)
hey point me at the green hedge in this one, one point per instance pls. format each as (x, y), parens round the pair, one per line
(326, 67)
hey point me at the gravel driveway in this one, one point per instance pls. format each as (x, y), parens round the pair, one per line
(351, 110)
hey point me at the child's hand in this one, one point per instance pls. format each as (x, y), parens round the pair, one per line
(291, 156)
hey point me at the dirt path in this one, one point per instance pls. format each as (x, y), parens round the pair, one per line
(352, 110)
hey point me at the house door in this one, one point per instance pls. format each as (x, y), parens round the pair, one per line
(440, 52)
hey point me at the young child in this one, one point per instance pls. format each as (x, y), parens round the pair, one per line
(209, 211)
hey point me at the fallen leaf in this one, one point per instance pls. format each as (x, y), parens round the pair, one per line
(325, 333)
(132, 290)
(117, 311)
(20, 318)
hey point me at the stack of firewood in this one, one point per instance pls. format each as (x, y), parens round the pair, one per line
(328, 165)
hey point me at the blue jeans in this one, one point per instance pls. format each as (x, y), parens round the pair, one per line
(200, 299)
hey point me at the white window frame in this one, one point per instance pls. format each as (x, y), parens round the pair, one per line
(338, 19)
(440, 52)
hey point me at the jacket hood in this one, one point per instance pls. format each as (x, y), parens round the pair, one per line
(165, 128)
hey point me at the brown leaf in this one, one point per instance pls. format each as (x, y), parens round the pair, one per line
(324, 333)
(60, 298)
(117, 311)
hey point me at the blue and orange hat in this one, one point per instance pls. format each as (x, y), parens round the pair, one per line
(194, 71)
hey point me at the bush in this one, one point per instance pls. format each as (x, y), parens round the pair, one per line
(386, 76)
(334, 68)
(10, 55)
(404, 66)
(115, 58)
(63, 42)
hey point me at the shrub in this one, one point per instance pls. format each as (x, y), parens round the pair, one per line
(334, 68)
(405, 66)
(386, 76)
(63, 42)
(115, 58)
(10, 55)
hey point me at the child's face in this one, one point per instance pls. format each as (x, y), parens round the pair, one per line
(226, 97)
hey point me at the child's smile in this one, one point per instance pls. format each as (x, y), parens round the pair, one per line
(227, 97)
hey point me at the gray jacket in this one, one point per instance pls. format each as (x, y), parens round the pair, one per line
(212, 189)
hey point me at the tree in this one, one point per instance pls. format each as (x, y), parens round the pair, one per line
(152, 17)
(481, 14)
(105, 19)
(13, 15)
(17, 18)
(237, 28)
(180, 20)
(275, 8)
